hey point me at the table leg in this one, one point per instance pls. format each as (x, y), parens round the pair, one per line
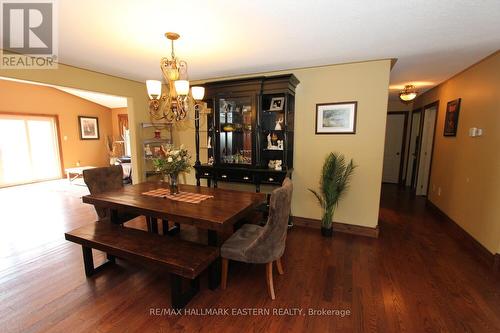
(172, 231)
(113, 213)
(152, 224)
(215, 269)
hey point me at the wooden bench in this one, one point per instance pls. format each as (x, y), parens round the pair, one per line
(182, 259)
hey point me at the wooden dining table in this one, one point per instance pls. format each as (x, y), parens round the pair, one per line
(216, 214)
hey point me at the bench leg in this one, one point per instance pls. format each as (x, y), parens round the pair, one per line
(88, 260)
(111, 258)
(180, 298)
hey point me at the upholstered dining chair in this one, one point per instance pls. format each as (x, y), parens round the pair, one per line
(100, 180)
(262, 245)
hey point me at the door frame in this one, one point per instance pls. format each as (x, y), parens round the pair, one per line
(403, 143)
(421, 130)
(58, 132)
(419, 110)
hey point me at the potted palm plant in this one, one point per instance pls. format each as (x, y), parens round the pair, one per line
(335, 177)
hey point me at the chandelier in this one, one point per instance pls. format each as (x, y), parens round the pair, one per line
(173, 104)
(408, 94)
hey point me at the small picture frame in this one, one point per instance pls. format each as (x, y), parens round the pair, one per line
(89, 128)
(336, 118)
(277, 104)
(451, 117)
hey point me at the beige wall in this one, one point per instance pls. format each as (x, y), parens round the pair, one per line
(366, 83)
(73, 77)
(468, 169)
(19, 97)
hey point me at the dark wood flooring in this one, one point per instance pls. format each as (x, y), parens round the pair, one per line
(414, 278)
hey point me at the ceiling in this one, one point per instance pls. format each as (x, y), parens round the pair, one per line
(109, 101)
(432, 40)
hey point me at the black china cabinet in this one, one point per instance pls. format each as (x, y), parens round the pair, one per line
(249, 133)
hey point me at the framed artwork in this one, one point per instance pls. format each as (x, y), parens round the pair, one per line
(451, 117)
(336, 118)
(277, 104)
(89, 128)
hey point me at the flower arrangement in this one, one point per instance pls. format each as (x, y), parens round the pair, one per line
(173, 162)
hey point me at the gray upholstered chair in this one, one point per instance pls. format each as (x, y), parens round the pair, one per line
(262, 245)
(105, 179)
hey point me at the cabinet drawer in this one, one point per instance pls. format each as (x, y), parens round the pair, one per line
(275, 178)
(235, 176)
(205, 173)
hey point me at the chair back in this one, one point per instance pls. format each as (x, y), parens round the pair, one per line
(270, 244)
(105, 179)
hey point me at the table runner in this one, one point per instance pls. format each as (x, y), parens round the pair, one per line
(182, 196)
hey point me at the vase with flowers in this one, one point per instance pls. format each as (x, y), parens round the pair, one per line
(172, 162)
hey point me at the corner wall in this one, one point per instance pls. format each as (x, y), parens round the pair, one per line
(467, 169)
(364, 82)
(73, 77)
(18, 98)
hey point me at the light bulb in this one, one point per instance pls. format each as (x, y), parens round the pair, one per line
(198, 93)
(154, 88)
(182, 87)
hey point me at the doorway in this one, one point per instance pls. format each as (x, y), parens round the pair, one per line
(395, 138)
(29, 149)
(428, 129)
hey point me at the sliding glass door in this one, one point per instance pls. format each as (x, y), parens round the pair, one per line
(29, 150)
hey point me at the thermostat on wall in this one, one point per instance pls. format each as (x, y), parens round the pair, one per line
(474, 131)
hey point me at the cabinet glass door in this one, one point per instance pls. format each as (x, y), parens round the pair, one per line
(235, 130)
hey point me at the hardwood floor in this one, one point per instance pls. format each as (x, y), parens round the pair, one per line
(414, 278)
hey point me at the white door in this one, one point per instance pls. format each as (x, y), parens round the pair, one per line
(29, 149)
(424, 165)
(393, 143)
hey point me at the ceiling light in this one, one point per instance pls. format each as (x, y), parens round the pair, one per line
(408, 94)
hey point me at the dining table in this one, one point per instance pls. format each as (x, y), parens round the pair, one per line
(216, 213)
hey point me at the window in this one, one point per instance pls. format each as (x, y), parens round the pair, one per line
(29, 149)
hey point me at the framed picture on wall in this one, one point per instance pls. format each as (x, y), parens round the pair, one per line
(336, 118)
(89, 128)
(451, 117)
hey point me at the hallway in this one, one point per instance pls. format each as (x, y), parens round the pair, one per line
(437, 281)
(414, 278)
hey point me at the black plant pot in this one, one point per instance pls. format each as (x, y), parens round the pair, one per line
(326, 232)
